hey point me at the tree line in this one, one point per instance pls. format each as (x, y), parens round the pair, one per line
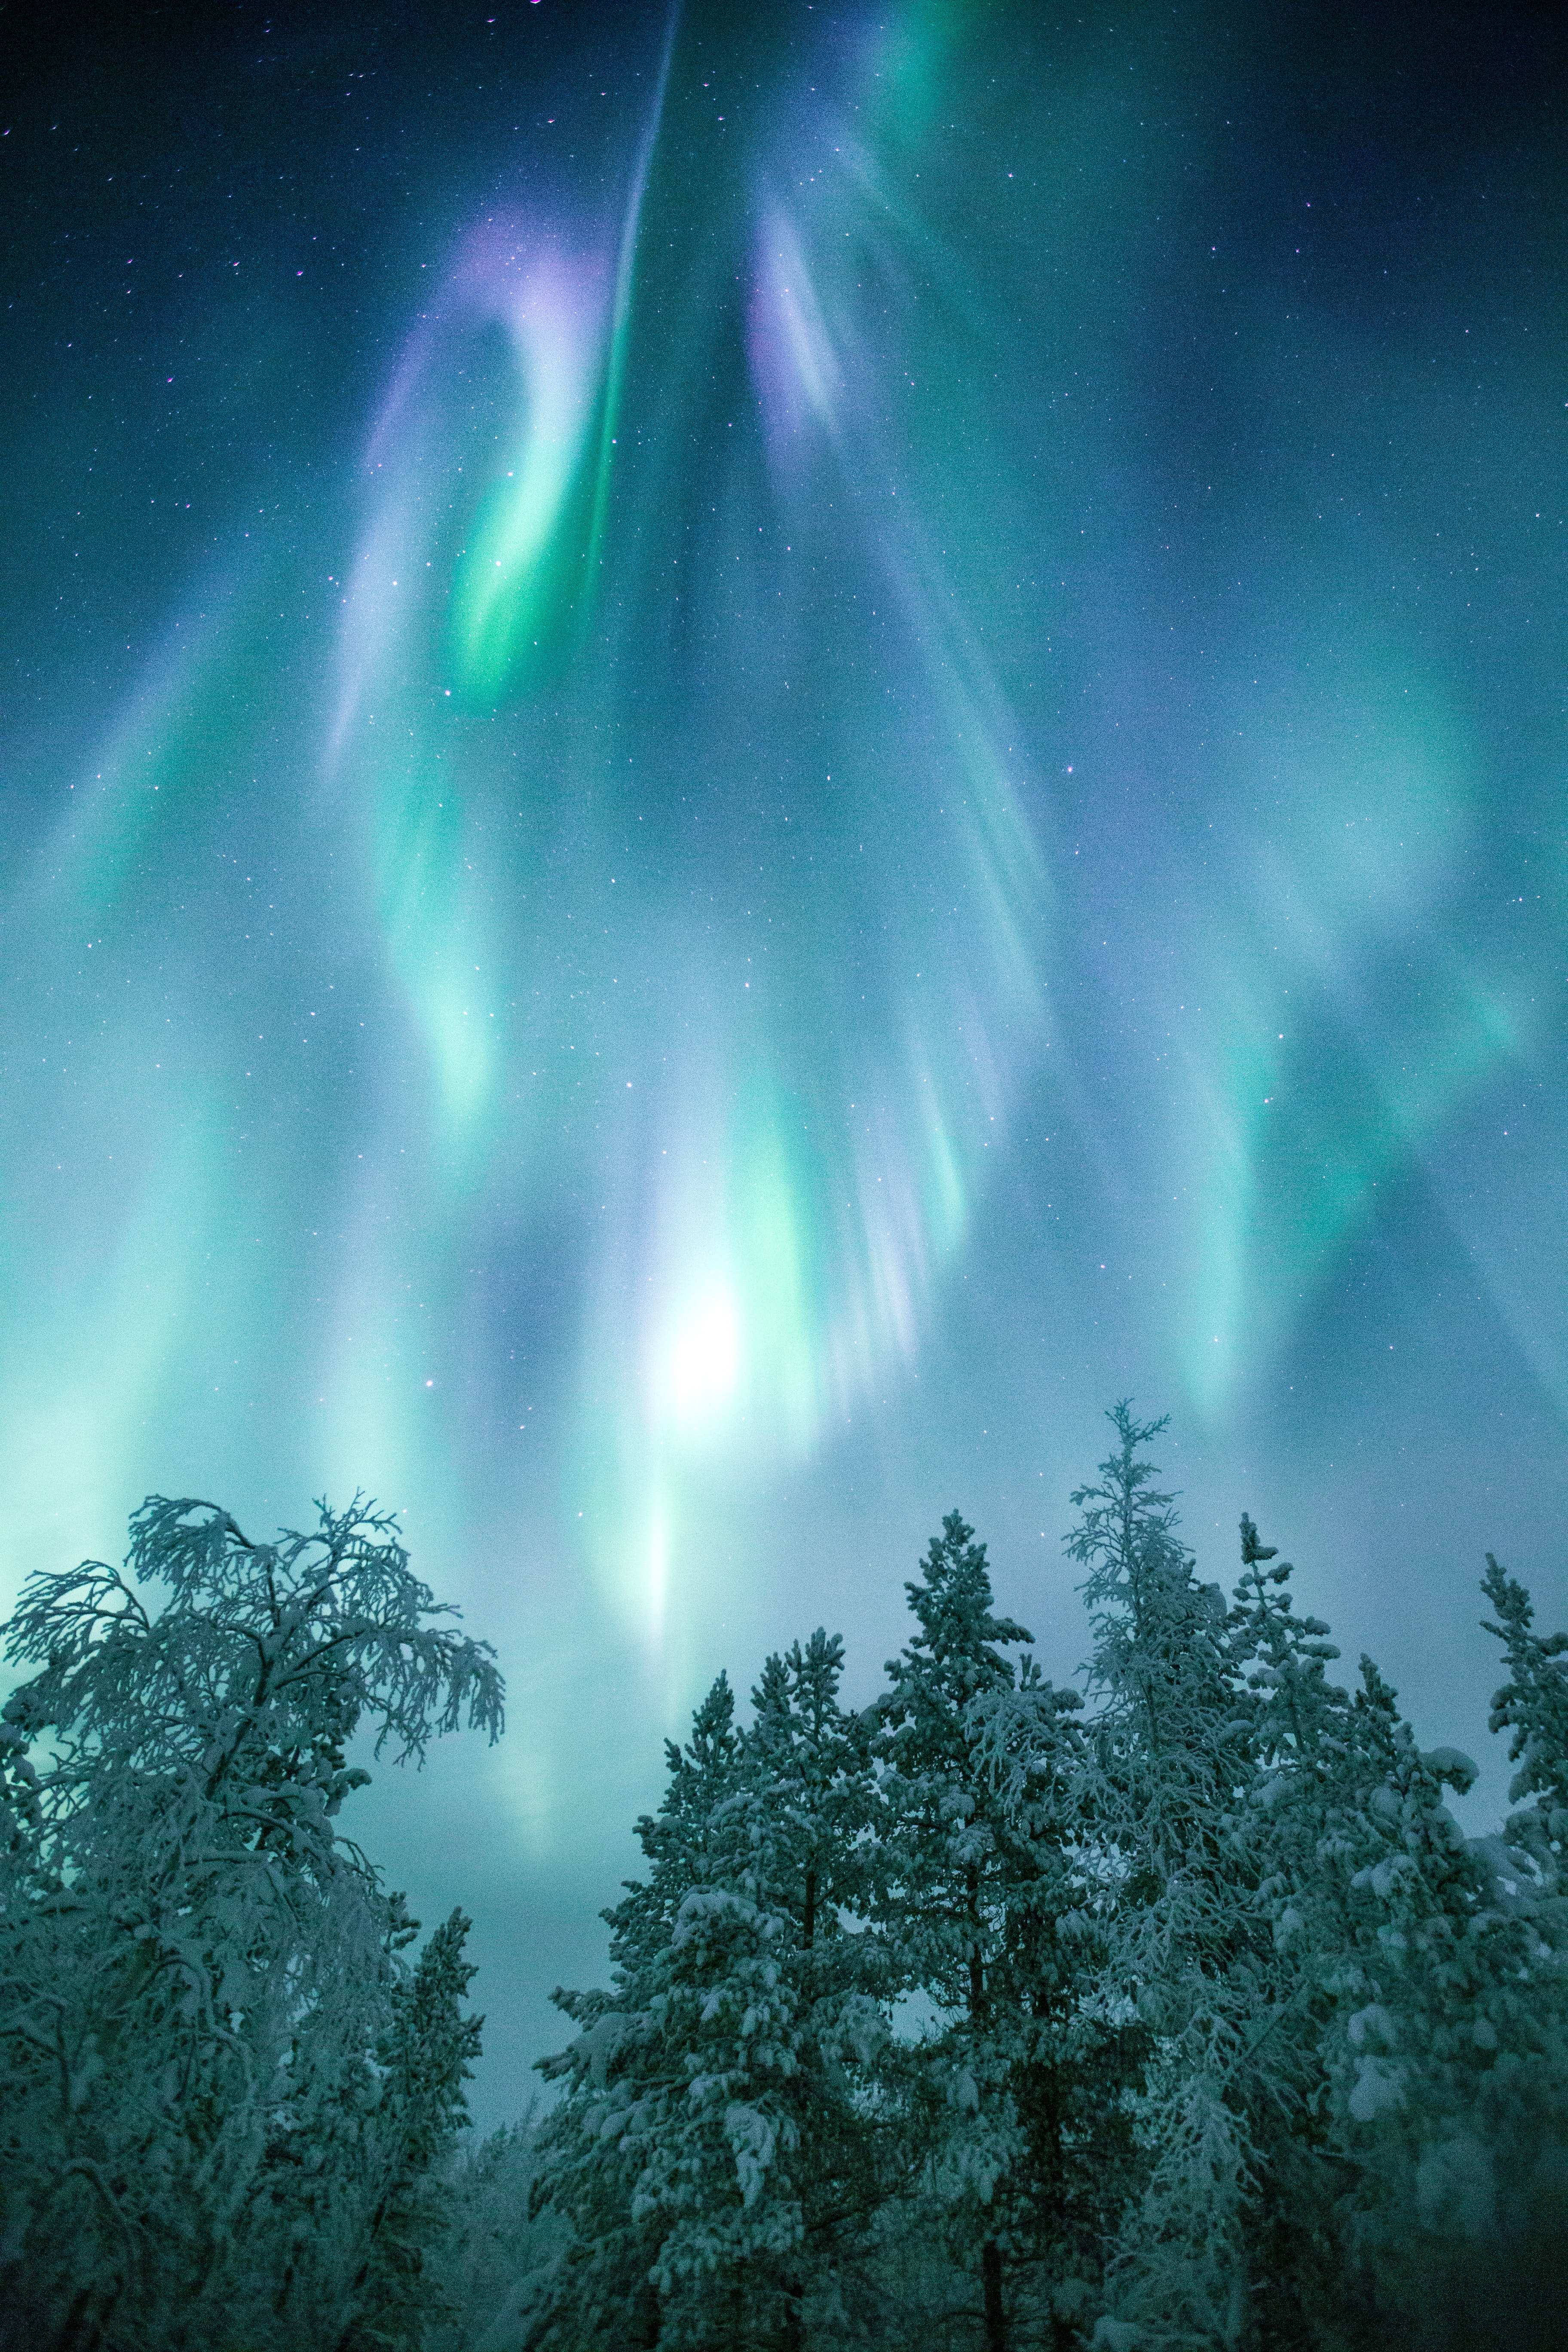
(1174, 2012)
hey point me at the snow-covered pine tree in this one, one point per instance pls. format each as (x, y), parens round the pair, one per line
(810, 1805)
(625, 2081)
(1167, 1760)
(1449, 2050)
(1437, 2028)
(1075, 2058)
(425, 2055)
(969, 1896)
(1532, 1705)
(1416, 2050)
(715, 2141)
(1302, 1731)
(196, 1966)
(494, 2245)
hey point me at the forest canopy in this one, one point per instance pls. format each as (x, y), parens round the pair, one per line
(1175, 2011)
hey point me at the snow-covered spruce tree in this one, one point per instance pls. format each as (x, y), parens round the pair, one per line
(1448, 2048)
(494, 2244)
(1532, 1705)
(811, 1806)
(1074, 2057)
(1285, 1869)
(625, 2084)
(713, 2143)
(1167, 1759)
(1416, 2049)
(1436, 2032)
(1012, 2101)
(1300, 1735)
(197, 1969)
(424, 2057)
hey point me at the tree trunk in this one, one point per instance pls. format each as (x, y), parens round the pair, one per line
(991, 2275)
(650, 2319)
(792, 2338)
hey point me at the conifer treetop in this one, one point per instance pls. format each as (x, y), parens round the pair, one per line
(1126, 1537)
(1533, 1703)
(956, 1646)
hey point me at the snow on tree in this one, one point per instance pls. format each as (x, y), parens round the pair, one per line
(1231, 2028)
(494, 2245)
(425, 2055)
(1167, 1725)
(1415, 2046)
(714, 2139)
(1297, 1736)
(1435, 2036)
(1167, 1761)
(198, 1969)
(1533, 1705)
(1232, 2038)
(1447, 2051)
(810, 1807)
(1071, 2057)
(971, 1894)
(625, 2076)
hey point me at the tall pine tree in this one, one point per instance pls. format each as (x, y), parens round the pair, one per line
(955, 1863)
(1166, 1765)
(716, 2150)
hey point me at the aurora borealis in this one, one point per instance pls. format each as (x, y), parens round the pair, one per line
(747, 753)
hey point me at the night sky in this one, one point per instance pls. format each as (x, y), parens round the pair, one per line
(746, 755)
